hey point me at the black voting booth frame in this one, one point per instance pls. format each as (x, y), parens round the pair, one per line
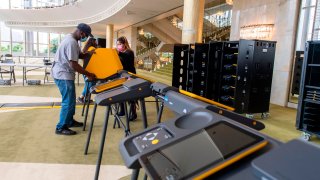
(134, 88)
(234, 73)
(308, 116)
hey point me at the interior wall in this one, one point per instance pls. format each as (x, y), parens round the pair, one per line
(283, 14)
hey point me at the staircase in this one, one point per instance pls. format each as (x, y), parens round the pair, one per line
(166, 70)
(163, 75)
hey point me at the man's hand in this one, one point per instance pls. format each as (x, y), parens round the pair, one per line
(93, 51)
(91, 76)
(79, 69)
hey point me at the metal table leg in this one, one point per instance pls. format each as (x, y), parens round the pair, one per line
(85, 100)
(23, 75)
(104, 132)
(127, 130)
(90, 128)
(160, 113)
(135, 174)
(87, 111)
(144, 113)
(157, 104)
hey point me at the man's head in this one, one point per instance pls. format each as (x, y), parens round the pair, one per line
(83, 32)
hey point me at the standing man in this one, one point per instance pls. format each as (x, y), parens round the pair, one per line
(63, 71)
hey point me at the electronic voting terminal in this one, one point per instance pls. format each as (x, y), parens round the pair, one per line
(195, 145)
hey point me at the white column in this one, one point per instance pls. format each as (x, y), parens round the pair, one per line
(193, 11)
(109, 36)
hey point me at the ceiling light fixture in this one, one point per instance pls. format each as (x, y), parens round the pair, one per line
(230, 2)
(141, 32)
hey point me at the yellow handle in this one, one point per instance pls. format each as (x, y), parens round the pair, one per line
(232, 160)
(206, 100)
(139, 76)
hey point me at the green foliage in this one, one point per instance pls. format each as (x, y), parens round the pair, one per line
(54, 45)
(17, 48)
(5, 48)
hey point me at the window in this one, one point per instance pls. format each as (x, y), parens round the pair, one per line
(5, 48)
(17, 35)
(43, 38)
(17, 4)
(43, 50)
(306, 22)
(5, 32)
(54, 42)
(18, 49)
(4, 4)
(28, 43)
(17, 42)
(31, 43)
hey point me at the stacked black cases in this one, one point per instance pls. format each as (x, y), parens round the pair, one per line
(254, 76)
(308, 116)
(190, 68)
(214, 70)
(180, 66)
(295, 88)
(228, 73)
(198, 69)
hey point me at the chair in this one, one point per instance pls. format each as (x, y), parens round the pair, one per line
(47, 63)
(8, 60)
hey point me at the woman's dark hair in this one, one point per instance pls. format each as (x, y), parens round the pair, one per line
(90, 42)
(123, 40)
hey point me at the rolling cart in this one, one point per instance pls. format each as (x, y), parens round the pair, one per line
(308, 116)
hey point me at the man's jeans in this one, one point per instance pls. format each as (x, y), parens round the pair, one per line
(68, 104)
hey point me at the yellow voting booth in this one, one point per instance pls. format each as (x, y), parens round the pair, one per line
(104, 63)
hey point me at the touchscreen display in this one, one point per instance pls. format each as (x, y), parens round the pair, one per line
(201, 150)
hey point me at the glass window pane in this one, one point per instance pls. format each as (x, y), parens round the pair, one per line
(54, 38)
(5, 32)
(17, 4)
(43, 38)
(5, 48)
(31, 37)
(53, 49)
(62, 36)
(31, 49)
(4, 4)
(43, 50)
(17, 35)
(17, 49)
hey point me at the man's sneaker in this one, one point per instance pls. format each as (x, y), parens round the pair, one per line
(80, 100)
(65, 131)
(76, 124)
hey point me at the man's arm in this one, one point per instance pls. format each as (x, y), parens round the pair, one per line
(79, 69)
(82, 55)
(88, 52)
